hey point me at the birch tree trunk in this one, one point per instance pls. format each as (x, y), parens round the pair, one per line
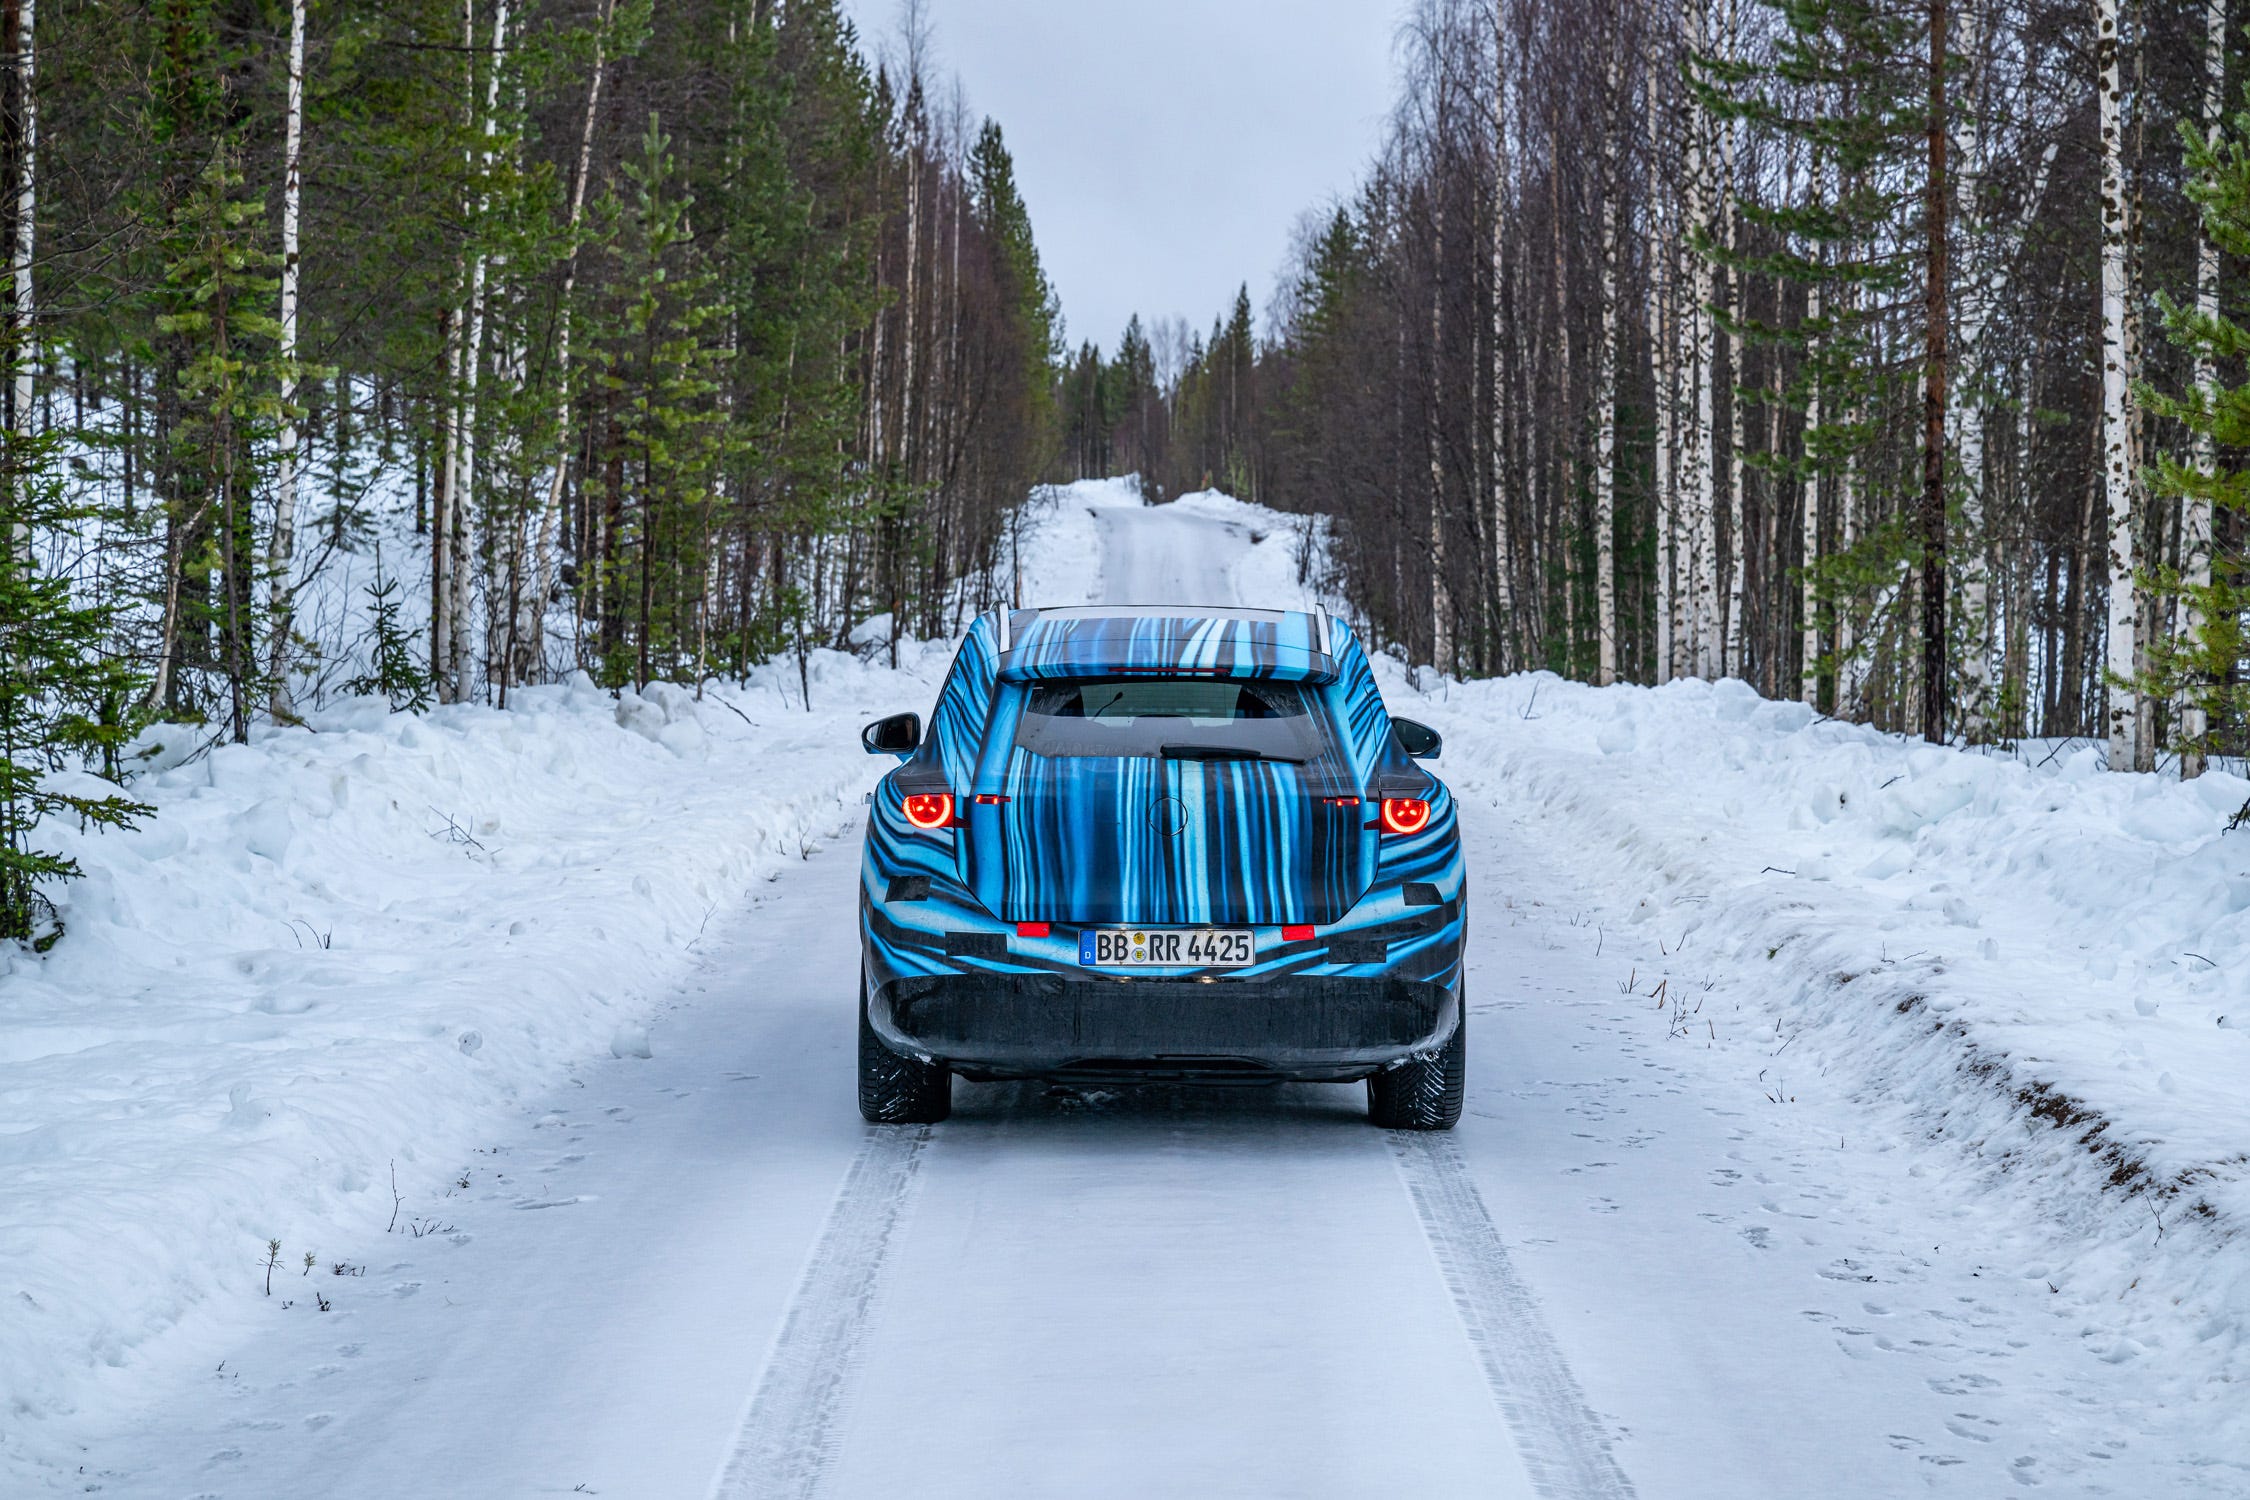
(472, 361)
(1699, 455)
(1936, 327)
(1737, 556)
(1441, 592)
(2195, 516)
(1967, 416)
(2118, 478)
(25, 42)
(1663, 271)
(1605, 383)
(1503, 550)
(282, 600)
(1808, 672)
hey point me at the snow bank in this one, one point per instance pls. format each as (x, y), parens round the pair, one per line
(347, 946)
(1285, 566)
(2048, 965)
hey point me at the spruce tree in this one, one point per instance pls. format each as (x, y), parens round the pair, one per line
(2203, 669)
(64, 694)
(659, 355)
(219, 293)
(1837, 85)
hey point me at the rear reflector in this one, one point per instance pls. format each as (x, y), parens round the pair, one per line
(1341, 801)
(987, 799)
(1031, 929)
(1295, 934)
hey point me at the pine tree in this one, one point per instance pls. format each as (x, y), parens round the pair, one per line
(218, 290)
(393, 673)
(64, 695)
(2202, 668)
(1836, 86)
(660, 360)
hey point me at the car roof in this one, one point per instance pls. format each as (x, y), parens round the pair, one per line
(1222, 641)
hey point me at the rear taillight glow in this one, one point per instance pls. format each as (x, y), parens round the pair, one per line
(1296, 934)
(1341, 801)
(989, 799)
(1032, 929)
(1405, 814)
(929, 809)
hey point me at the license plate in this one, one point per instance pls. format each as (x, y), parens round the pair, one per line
(1174, 948)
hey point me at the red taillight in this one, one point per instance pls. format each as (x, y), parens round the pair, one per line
(1405, 814)
(987, 799)
(1294, 934)
(1032, 929)
(929, 809)
(1341, 801)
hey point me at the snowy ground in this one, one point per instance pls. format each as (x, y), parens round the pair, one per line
(1839, 1116)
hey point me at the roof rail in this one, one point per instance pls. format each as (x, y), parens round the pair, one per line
(1003, 622)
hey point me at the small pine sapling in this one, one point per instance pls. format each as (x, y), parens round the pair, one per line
(393, 672)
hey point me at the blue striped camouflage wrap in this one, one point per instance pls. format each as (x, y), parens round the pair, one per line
(1257, 844)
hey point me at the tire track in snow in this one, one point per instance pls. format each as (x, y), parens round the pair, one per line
(784, 1442)
(1562, 1444)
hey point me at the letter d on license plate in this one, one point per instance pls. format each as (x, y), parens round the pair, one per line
(1164, 948)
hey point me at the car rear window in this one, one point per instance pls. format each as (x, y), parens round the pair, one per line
(1188, 718)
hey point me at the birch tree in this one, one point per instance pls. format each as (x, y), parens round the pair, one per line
(282, 587)
(2119, 461)
(23, 41)
(1605, 367)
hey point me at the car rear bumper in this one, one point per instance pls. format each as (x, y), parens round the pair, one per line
(1321, 1028)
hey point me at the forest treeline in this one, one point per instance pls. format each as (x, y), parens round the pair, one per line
(1849, 347)
(650, 340)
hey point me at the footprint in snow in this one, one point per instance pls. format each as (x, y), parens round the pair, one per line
(319, 1419)
(1964, 1424)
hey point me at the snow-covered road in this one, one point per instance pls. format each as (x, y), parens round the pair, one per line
(1653, 1260)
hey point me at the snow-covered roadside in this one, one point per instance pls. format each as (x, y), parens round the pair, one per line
(352, 944)
(2048, 967)
(333, 950)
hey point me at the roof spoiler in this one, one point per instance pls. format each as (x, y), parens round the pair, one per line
(1320, 623)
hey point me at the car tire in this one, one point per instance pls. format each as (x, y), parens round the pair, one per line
(1424, 1093)
(894, 1089)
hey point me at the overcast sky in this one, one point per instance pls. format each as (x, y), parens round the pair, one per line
(1166, 147)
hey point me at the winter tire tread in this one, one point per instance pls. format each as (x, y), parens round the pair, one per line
(1425, 1093)
(897, 1090)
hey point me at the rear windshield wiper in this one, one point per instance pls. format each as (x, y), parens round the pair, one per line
(1223, 752)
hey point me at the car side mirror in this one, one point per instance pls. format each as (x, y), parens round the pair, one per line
(900, 735)
(1417, 739)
